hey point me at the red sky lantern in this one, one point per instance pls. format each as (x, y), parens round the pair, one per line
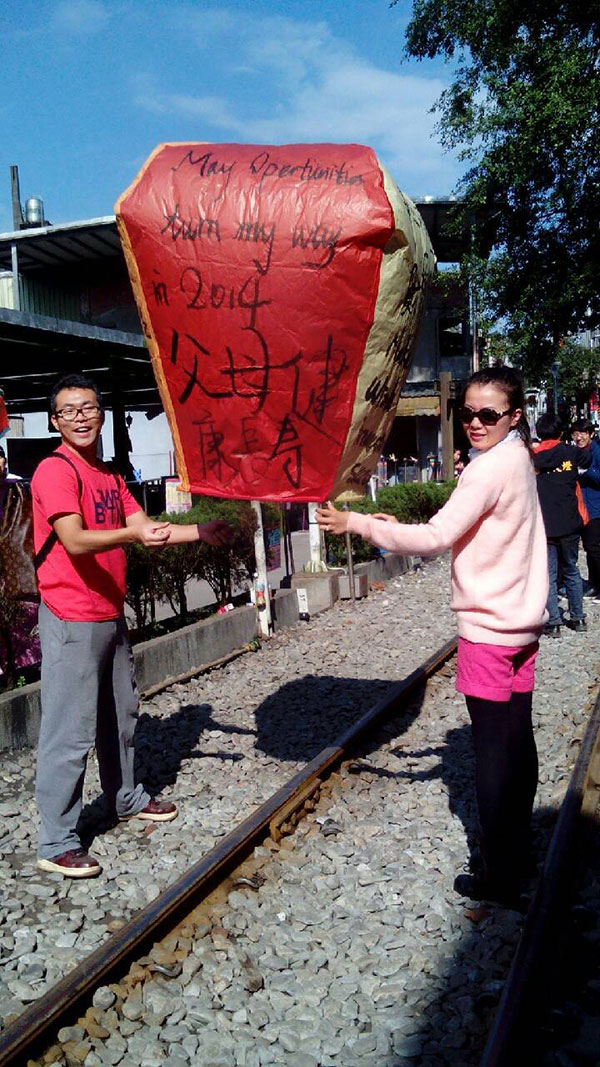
(280, 290)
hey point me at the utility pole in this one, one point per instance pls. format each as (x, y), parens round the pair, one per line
(15, 192)
(263, 603)
(555, 369)
(447, 426)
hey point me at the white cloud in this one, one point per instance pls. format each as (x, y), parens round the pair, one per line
(211, 109)
(79, 18)
(318, 88)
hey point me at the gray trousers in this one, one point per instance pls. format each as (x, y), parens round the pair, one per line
(89, 696)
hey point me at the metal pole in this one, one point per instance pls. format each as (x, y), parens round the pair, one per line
(316, 562)
(17, 210)
(284, 538)
(263, 611)
(290, 544)
(348, 538)
(447, 426)
(474, 328)
(121, 439)
(554, 369)
(14, 256)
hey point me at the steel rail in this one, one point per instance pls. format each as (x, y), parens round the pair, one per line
(524, 985)
(47, 1012)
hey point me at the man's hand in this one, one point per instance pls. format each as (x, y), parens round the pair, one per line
(332, 520)
(78, 542)
(384, 518)
(152, 534)
(216, 533)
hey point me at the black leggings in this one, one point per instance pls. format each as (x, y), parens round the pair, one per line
(506, 774)
(590, 535)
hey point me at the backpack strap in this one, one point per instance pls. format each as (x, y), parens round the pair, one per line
(52, 537)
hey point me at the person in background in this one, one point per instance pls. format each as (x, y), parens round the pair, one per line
(4, 475)
(556, 465)
(5, 481)
(83, 515)
(459, 463)
(582, 434)
(494, 525)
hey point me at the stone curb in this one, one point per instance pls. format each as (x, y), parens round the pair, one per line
(192, 647)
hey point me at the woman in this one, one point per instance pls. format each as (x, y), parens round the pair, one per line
(499, 577)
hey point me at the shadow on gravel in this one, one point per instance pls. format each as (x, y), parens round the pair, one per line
(472, 981)
(456, 769)
(455, 1026)
(313, 712)
(569, 1030)
(161, 745)
(558, 1024)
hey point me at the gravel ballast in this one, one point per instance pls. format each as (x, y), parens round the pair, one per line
(353, 947)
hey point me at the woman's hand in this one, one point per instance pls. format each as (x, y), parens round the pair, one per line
(332, 520)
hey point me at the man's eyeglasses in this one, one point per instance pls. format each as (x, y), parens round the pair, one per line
(487, 416)
(89, 411)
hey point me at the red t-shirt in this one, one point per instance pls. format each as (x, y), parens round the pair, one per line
(91, 587)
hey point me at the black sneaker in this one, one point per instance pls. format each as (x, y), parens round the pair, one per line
(477, 887)
(578, 625)
(590, 594)
(551, 630)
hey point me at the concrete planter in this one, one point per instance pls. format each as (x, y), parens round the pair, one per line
(166, 659)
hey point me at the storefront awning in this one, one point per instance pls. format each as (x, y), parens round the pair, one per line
(418, 405)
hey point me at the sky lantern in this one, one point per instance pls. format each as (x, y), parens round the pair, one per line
(280, 290)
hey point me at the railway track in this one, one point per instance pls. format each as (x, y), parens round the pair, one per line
(277, 816)
(228, 864)
(512, 1035)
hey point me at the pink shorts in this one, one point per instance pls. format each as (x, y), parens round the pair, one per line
(494, 672)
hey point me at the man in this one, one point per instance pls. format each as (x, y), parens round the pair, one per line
(83, 516)
(556, 466)
(589, 481)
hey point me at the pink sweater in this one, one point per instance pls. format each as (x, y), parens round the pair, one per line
(499, 557)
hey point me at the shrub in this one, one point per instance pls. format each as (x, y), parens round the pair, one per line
(141, 584)
(412, 502)
(162, 574)
(172, 569)
(362, 550)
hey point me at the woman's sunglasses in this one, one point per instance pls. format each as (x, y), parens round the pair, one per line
(487, 416)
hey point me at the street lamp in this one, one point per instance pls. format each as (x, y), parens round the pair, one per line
(555, 369)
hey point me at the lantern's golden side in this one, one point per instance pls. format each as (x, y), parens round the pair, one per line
(407, 266)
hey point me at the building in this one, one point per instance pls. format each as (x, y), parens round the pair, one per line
(66, 305)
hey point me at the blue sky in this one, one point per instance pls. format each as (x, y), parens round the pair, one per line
(90, 87)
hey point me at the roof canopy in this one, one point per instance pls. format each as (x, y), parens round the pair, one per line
(69, 243)
(36, 350)
(61, 246)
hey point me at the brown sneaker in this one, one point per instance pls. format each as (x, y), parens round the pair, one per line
(155, 811)
(73, 864)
